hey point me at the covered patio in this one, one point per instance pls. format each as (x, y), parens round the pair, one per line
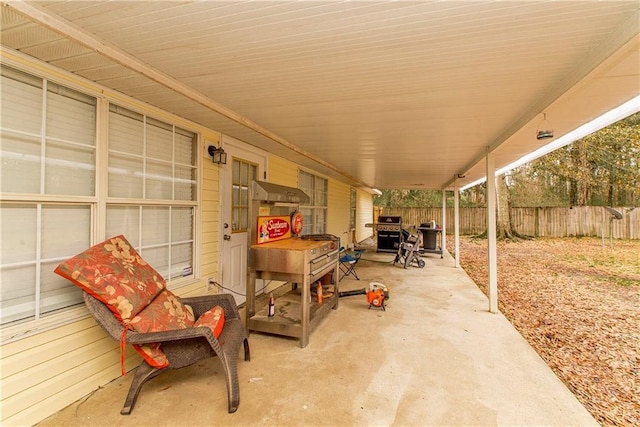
(369, 95)
(436, 356)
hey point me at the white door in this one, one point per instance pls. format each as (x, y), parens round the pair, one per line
(244, 164)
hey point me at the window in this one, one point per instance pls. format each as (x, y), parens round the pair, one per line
(152, 189)
(314, 213)
(352, 211)
(48, 154)
(243, 174)
(50, 202)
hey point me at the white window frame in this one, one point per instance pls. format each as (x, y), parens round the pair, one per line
(353, 208)
(240, 183)
(97, 202)
(144, 203)
(311, 211)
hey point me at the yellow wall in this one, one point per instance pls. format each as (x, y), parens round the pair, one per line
(282, 172)
(210, 216)
(46, 371)
(285, 172)
(339, 211)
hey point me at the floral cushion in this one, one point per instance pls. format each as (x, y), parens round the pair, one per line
(114, 273)
(165, 313)
(213, 319)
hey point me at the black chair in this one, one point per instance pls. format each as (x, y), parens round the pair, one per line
(348, 262)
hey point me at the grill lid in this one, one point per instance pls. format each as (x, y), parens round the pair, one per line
(268, 192)
(389, 219)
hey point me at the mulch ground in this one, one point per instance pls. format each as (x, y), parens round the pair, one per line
(577, 302)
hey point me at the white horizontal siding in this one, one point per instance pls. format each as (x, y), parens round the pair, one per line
(364, 215)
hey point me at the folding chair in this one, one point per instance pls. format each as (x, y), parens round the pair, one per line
(348, 262)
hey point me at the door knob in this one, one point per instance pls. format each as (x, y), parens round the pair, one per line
(226, 237)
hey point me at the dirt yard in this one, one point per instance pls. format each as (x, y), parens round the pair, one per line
(578, 305)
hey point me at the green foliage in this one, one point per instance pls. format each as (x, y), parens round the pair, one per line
(424, 198)
(408, 198)
(602, 169)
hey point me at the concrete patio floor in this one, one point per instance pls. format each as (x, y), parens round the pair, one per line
(435, 357)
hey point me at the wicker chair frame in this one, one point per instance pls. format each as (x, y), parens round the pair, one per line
(185, 346)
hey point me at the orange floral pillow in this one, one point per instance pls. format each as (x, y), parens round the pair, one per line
(114, 273)
(165, 313)
(213, 319)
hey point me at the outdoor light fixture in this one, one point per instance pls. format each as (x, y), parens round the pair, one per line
(545, 131)
(217, 154)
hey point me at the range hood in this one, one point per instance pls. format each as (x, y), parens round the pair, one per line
(268, 192)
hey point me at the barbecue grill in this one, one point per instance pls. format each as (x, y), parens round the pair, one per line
(389, 230)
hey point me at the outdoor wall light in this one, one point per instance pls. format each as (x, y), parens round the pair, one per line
(217, 154)
(545, 131)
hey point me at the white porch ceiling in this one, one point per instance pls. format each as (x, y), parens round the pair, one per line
(404, 94)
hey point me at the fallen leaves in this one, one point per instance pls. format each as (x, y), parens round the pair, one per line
(577, 302)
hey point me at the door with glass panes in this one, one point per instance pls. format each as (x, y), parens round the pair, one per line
(242, 167)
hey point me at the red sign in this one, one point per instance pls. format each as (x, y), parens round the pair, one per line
(272, 228)
(296, 222)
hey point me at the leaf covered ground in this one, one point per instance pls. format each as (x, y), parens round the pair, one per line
(577, 303)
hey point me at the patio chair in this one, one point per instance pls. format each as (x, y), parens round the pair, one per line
(348, 262)
(129, 300)
(183, 347)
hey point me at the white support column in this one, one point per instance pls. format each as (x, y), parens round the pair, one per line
(456, 221)
(491, 234)
(444, 221)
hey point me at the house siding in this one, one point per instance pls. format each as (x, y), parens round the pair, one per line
(364, 215)
(339, 211)
(282, 171)
(43, 372)
(210, 221)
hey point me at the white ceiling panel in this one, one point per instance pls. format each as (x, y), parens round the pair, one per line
(382, 94)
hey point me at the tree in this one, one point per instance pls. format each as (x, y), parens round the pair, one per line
(504, 226)
(408, 198)
(600, 169)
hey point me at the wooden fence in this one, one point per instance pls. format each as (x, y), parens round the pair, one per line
(538, 222)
